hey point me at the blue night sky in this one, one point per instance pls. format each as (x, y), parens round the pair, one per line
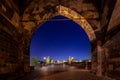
(59, 40)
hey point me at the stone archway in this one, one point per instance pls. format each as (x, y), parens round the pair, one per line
(25, 16)
(31, 23)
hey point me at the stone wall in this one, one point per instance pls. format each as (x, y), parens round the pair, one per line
(111, 58)
(14, 56)
(8, 52)
(10, 11)
(115, 18)
(94, 61)
(107, 10)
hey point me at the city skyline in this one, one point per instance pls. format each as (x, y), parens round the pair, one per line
(43, 58)
(60, 39)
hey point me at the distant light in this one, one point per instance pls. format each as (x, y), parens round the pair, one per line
(64, 61)
(76, 61)
(44, 58)
(89, 60)
(72, 57)
(58, 61)
(80, 61)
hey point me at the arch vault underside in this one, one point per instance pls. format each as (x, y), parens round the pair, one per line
(30, 23)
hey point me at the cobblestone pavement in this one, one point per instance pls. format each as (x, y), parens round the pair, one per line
(61, 73)
(72, 75)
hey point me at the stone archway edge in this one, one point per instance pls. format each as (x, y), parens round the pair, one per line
(29, 23)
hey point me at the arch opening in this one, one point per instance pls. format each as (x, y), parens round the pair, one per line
(60, 38)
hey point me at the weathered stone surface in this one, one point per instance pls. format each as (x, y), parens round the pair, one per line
(10, 11)
(112, 57)
(11, 61)
(19, 19)
(115, 18)
(60, 10)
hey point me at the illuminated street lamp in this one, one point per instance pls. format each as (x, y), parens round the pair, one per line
(44, 58)
(72, 58)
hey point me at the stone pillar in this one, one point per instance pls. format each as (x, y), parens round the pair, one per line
(99, 58)
(94, 60)
(106, 59)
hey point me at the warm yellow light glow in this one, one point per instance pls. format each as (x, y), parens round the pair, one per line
(89, 60)
(66, 12)
(82, 20)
